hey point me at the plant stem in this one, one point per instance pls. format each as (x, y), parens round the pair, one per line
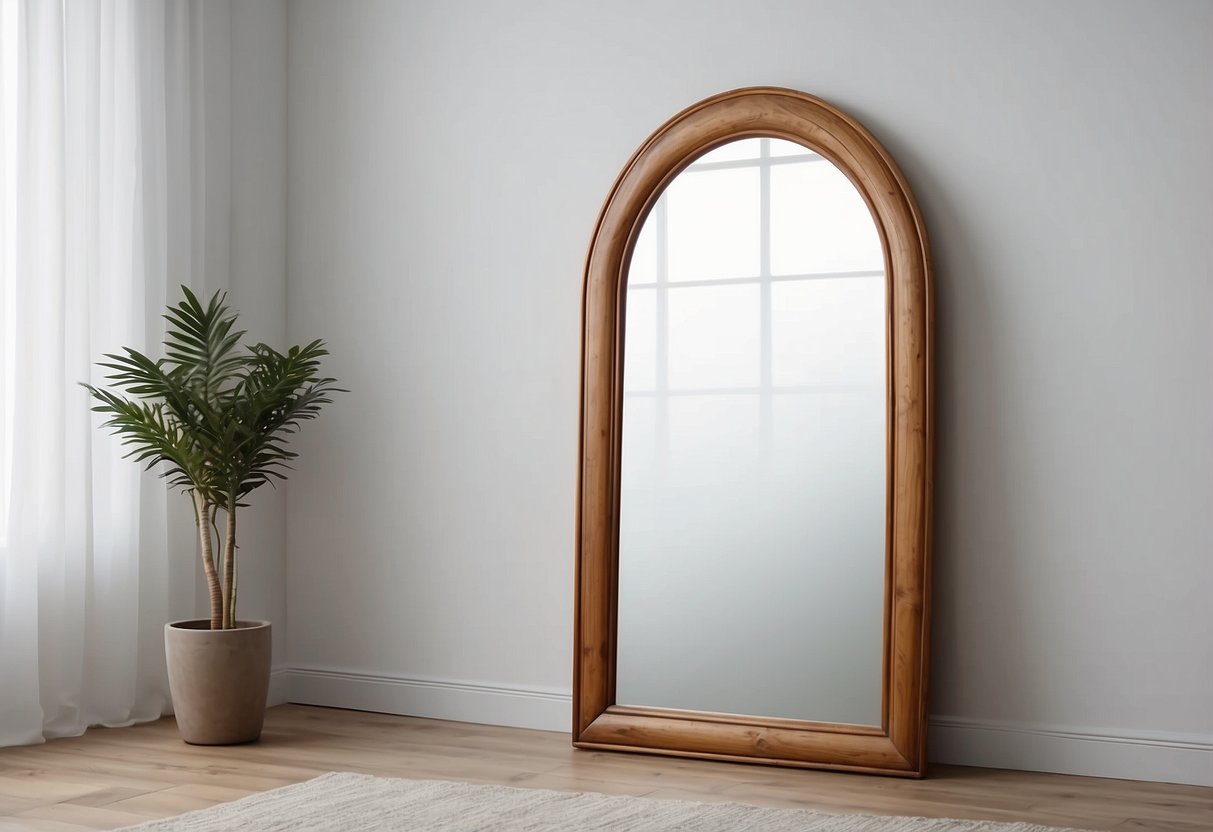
(229, 568)
(202, 515)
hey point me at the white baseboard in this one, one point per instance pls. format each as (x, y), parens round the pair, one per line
(280, 685)
(1131, 755)
(545, 709)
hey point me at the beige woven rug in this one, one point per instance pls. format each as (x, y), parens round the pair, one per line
(344, 802)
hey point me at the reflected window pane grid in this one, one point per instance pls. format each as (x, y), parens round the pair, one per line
(752, 495)
(714, 224)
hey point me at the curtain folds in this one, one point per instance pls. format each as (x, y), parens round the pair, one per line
(99, 180)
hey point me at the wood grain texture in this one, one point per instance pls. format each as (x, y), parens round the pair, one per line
(120, 776)
(900, 746)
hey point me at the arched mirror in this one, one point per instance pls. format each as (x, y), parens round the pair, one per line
(753, 545)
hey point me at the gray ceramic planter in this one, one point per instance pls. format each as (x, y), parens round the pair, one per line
(219, 680)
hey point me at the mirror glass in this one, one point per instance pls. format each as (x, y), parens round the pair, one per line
(753, 472)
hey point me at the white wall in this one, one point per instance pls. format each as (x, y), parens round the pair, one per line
(446, 162)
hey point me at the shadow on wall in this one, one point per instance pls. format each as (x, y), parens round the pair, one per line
(975, 532)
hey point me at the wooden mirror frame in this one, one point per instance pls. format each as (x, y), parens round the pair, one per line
(898, 745)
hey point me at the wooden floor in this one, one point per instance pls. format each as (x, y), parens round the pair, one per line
(116, 777)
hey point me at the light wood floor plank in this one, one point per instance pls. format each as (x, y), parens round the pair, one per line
(90, 817)
(114, 777)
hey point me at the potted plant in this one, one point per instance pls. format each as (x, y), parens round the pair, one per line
(218, 417)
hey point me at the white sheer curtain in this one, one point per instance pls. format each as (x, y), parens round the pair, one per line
(99, 186)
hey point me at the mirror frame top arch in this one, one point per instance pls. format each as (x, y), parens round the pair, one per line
(898, 745)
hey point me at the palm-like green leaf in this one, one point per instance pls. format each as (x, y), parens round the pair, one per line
(201, 346)
(278, 393)
(153, 437)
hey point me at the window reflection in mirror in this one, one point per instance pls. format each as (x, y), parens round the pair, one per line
(752, 506)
